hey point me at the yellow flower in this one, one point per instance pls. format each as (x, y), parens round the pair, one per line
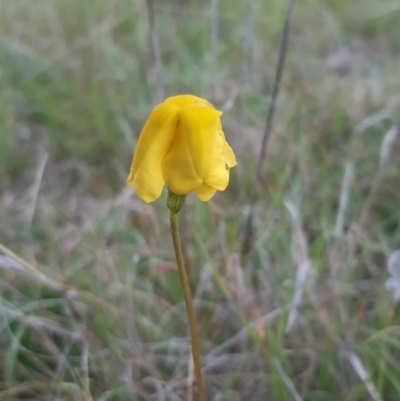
(181, 145)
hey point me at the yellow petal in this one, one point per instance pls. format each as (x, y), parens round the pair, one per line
(229, 156)
(153, 144)
(185, 101)
(204, 192)
(218, 175)
(190, 157)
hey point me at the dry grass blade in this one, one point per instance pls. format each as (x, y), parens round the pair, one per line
(243, 333)
(30, 210)
(23, 388)
(385, 153)
(388, 142)
(362, 373)
(39, 323)
(17, 264)
(13, 262)
(372, 119)
(344, 199)
(304, 265)
(286, 379)
(392, 284)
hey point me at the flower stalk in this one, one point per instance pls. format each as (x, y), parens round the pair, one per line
(175, 203)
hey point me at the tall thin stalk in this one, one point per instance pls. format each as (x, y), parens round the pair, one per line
(175, 203)
(214, 50)
(249, 230)
(155, 47)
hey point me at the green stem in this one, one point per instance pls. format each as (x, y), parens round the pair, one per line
(173, 216)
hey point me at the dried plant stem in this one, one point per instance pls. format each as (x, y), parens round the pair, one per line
(155, 47)
(344, 199)
(248, 231)
(188, 301)
(214, 49)
(246, 55)
(275, 91)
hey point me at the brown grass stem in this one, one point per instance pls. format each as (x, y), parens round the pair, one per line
(246, 55)
(155, 47)
(214, 49)
(189, 304)
(248, 231)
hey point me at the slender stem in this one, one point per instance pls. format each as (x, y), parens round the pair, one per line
(249, 229)
(214, 49)
(155, 47)
(188, 301)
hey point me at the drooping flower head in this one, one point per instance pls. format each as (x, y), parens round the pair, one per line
(182, 146)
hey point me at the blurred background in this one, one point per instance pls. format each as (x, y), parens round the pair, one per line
(90, 302)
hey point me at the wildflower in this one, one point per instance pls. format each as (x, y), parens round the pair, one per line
(181, 145)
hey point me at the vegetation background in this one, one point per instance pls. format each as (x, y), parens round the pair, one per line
(91, 307)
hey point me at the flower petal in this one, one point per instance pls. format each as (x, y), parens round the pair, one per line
(229, 156)
(185, 101)
(218, 175)
(190, 157)
(204, 192)
(153, 144)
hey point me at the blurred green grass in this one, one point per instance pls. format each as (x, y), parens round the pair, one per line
(77, 81)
